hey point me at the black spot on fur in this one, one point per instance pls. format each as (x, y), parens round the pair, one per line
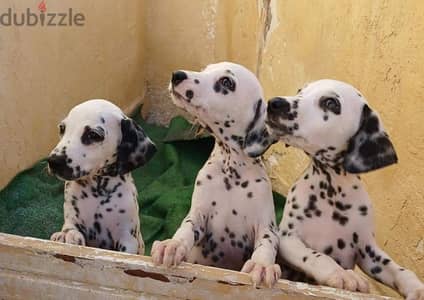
(227, 183)
(328, 250)
(342, 220)
(97, 227)
(355, 238)
(363, 210)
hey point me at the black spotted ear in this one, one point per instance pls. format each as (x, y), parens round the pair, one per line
(135, 148)
(257, 139)
(370, 148)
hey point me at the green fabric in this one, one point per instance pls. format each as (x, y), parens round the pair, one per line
(32, 204)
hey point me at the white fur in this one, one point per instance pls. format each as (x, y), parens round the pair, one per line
(341, 219)
(100, 208)
(231, 223)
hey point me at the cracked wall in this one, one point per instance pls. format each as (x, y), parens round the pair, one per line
(378, 47)
(375, 45)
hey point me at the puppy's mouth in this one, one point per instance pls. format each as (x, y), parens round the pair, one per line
(177, 96)
(62, 177)
(276, 128)
(182, 101)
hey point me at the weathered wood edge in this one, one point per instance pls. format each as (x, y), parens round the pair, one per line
(29, 265)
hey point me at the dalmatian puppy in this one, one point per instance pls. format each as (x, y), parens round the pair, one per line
(231, 222)
(327, 227)
(98, 149)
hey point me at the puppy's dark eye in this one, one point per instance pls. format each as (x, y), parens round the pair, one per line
(95, 137)
(62, 129)
(330, 104)
(91, 136)
(228, 82)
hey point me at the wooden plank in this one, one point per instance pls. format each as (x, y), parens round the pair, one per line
(39, 269)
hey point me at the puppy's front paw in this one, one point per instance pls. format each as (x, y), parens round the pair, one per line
(58, 237)
(418, 294)
(169, 252)
(72, 236)
(348, 280)
(269, 274)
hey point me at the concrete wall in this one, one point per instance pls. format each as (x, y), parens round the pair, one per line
(375, 45)
(181, 34)
(378, 47)
(47, 70)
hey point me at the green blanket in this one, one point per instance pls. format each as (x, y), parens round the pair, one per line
(32, 204)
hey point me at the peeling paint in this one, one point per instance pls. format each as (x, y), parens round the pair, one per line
(67, 258)
(209, 15)
(144, 274)
(28, 272)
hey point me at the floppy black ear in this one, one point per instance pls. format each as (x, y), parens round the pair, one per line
(135, 148)
(370, 148)
(257, 139)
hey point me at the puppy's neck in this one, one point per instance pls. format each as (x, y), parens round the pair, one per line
(102, 181)
(232, 156)
(333, 168)
(332, 181)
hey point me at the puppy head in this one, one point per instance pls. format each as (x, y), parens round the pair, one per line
(332, 122)
(227, 99)
(98, 139)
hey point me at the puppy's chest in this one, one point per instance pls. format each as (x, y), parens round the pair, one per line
(230, 190)
(231, 197)
(105, 203)
(325, 213)
(228, 241)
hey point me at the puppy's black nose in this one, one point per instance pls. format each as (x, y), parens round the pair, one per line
(57, 163)
(178, 77)
(278, 105)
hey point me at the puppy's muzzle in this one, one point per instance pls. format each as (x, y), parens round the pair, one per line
(58, 166)
(278, 106)
(178, 77)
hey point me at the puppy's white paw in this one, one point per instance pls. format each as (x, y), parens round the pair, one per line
(58, 237)
(268, 274)
(418, 294)
(169, 252)
(347, 280)
(74, 237)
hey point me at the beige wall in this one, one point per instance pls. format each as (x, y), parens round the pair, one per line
(46, 71)
(182, 34)
(377, 46)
